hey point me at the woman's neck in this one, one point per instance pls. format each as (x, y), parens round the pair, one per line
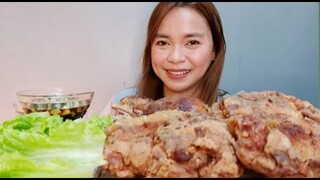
(178, 94)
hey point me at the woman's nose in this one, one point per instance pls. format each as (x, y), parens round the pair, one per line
(176, 55)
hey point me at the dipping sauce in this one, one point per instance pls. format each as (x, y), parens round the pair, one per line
(72, 113)
(69, 103)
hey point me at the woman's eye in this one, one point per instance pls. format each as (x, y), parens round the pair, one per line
(193, 42)
(161, 43)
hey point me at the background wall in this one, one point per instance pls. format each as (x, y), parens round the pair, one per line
(270, 46)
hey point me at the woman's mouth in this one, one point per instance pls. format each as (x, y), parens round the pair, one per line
(177, 74)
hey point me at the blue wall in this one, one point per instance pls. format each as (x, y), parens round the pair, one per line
(272, 46)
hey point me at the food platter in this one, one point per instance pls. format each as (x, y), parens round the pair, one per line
(247, 135)
(273, 134)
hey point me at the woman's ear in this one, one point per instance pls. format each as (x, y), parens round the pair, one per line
(213, 56)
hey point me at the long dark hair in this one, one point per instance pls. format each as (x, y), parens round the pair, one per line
(150, 84)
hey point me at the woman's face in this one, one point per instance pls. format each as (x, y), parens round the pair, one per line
(182, 51)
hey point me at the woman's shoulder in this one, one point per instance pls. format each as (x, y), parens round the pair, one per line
(124, 93)
(221, 94)
(116, 98)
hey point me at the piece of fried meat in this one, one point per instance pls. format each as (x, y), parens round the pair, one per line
(276, 134)
(170, 143)
(135, 105)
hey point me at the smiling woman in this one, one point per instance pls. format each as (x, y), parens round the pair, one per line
(184, 52)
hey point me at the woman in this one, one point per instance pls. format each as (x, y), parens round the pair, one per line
(184, 53)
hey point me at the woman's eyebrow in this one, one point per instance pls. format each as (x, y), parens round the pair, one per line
(194, 35)
(161, 35)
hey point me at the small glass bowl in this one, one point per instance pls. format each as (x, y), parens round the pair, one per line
(69, 103)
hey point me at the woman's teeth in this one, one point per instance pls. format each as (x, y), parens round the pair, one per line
(176, 73)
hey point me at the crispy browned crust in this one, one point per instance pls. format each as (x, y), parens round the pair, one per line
(276, 134)
(170, 143)
(135, 106)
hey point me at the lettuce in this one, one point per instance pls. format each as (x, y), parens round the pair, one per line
(41, 145)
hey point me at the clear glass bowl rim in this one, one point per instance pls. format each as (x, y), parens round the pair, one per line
(54, 91)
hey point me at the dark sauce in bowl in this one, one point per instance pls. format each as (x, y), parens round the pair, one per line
(72, 113)
(69, 103)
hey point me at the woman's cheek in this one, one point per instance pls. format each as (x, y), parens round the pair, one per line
(159, 56)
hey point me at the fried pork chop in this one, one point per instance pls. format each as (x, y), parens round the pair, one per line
(170, 143)
(137, 105)
(276, 134)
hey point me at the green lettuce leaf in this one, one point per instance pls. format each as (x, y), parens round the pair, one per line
(41, 145)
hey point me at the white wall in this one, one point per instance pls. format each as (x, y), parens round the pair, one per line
(100, 45)
(97, 45)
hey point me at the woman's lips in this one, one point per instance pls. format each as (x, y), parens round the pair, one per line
(177, 73)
